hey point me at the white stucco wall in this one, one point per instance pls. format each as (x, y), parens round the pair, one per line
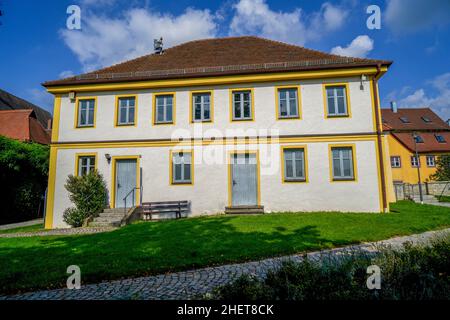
(209, 193)
(312, 110)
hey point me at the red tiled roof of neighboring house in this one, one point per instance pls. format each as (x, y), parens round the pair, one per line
(220, 56)
(23, 125)
(430, 144)
(424, 122)
(391, 120)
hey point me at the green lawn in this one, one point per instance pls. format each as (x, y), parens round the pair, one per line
(148, 248)
(33, 228)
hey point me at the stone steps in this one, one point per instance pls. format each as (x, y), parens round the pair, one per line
(108, 218)
(245, 210)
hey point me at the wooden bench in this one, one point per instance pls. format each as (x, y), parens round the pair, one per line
(164, 207)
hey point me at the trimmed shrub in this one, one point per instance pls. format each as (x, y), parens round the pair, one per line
(89, 195)
(413, 273)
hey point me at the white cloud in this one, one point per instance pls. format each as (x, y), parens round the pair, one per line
(256, 17)
(104, 41)
(359, 47)
(66, 74)
(419, 98)
(406, 16)
(41, 98)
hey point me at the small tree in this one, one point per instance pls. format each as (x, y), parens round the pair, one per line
(89, 195)
(442, 168)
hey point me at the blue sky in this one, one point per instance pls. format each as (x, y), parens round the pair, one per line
(37, 46)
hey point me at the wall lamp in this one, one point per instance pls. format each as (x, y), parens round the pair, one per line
(108, 157)
(363, 78)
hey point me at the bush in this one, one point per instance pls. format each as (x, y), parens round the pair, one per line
(89, 195)
(23, 179)
(414, 273)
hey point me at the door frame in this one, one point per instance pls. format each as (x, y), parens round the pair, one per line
(112, 198)
(230, 175)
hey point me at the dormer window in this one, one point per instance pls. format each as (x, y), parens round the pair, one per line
(404, 119)
(439, 138)
(426, 119)
(419, 139)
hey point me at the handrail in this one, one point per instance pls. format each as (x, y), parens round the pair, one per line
(132, 191)
(443, 190)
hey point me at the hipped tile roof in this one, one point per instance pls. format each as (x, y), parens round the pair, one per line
(220, 56)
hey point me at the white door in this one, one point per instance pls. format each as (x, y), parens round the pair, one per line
(125, 182)
(244, 180)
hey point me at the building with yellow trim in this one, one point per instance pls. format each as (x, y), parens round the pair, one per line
(216, 110)
(432, 140)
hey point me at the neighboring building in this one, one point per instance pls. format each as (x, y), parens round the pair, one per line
(433, 139)
(23, 125)
(224, 123)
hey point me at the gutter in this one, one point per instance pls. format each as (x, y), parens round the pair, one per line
(379, 133)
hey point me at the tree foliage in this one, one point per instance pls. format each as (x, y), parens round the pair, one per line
(89, 195)
(442, 168)
(23, 179)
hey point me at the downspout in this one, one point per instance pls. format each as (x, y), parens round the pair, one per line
(379, 138)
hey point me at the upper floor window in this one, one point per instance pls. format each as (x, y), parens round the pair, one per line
(181, 167)
(431, 161)
(126, 111)
(288, 103)
(201, 111)
(85, 165)
(164, 104)
(337, 100)
(415, 162)
(86, 113)
(342, 163)
(294, 165)
(396, 162)
(439, 138)
(242, 105)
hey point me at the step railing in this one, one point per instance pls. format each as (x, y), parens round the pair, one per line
(133, 193)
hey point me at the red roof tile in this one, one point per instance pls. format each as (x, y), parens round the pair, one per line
(430, 144)
(220, 56)
(392, 120)
(22, 125)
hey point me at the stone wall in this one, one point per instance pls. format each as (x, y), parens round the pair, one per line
(406, 191)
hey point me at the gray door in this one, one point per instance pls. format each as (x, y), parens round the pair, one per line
(125, 182)
(244, 180)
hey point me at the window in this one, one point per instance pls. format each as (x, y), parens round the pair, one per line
(86, 113)
(126, 111)
(431, 161)
(242, 105)
(439, 138)
(419, 139)
(294, 165)
(414, 162)
(85, 165)
(342, 163)
(202, 106)
(164, 104)
(426, 119)
(395, 162)
(337, 104)
(181, 167)
(287, 103)
(404, 119)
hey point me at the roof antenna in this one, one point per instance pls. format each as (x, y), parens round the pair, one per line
(158, 45)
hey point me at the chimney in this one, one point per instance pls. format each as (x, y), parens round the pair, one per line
(49, 124)
(394, 106)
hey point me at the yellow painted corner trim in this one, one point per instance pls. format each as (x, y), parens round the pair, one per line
(191, 106)
(231, 153)
(51, 188)
(325, 100)
(171, 182)
(114, 159)
(305, 161)
(77, 113)
(116, 110)
(354, 161)
(217, 80)
(252, 103)
(299, 103)
(77, 160)
(174, 108)
(56, 118)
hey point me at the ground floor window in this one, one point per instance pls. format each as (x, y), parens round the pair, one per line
(342, 163)
(294, 165)
(396, 162)
(181, 168)
(85, 165)
(415, 162)
(431, 161)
